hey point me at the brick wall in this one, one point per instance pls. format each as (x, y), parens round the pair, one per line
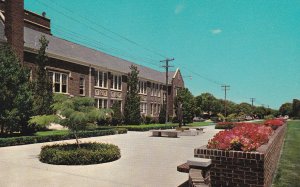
(177, 82)
(14, 26)
(237, 168)
(37, 22)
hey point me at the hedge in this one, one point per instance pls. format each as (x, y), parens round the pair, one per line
(149, 127)
(22, 140)
(88, 153)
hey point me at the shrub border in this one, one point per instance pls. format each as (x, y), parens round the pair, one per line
(149, 127)
(23, 140)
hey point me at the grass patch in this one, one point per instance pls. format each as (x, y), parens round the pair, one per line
(199, 124)
(52, 132)
(288, 173)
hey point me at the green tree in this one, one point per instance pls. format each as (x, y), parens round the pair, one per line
(286, 109)
(15, 93)
(162, 115)
(117, 116)
(244, 108)
(132, 99)
(185, 99)
(296, 108)
(43, 96)
(74, 113)
(206, 102)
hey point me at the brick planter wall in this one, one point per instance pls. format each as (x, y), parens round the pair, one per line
(237, 168)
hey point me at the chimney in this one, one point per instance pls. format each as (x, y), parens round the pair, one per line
(14, 26)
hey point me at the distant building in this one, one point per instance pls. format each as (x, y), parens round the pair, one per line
(81, 71)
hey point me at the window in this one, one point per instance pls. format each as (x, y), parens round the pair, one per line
(116, 82)
(142, 87)
(81, 85)
(152, 89)
(164, 97)
(159, 91)
(59, 82)
(101, 103)
(101, 79)
(151, 109)
(143, 108)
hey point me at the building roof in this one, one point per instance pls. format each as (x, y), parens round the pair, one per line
(66, 50)
(69, 50)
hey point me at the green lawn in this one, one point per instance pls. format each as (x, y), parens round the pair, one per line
(199, 124)
(288, 173)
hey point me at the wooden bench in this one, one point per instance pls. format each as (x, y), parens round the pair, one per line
(198, 169)
(159, 133)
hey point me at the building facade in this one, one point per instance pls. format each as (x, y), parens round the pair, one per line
(77, 70)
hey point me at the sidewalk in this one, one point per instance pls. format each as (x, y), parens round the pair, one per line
(145, 161)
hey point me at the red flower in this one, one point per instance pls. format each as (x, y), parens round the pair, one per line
(243, 137)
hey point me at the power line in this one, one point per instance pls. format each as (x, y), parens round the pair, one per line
(105, 28)
(167, 60)
(98, 45)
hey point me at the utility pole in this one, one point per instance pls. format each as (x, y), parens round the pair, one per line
(167, 66)
(225, 87)
(252, 100)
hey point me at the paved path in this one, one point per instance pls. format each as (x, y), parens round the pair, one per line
(145, 161)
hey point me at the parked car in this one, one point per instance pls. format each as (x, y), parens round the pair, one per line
(198, 119)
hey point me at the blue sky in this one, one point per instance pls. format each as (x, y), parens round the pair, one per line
(253, 46)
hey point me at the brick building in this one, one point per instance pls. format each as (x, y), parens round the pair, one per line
(81, 71)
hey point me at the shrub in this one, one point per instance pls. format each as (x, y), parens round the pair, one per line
(150, 127)
(225, 125)
(274, 123)
(49, 138)
(244, 137)
(88, 153)
(148, 119)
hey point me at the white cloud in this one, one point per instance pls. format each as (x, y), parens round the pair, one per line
(216, 31)
(179, 8)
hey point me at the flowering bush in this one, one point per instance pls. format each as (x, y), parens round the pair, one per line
(243, 137)
(274, 123)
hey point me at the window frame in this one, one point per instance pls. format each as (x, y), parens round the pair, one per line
(116, 82)
(82, 87)
(103, 76)
(60, 82)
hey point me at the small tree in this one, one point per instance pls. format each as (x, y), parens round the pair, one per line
(162, 115)
(15, 93)
(186, 99)
(75, 113)
(132, 100)
(286, 109)
(117, 117)
(43, 96)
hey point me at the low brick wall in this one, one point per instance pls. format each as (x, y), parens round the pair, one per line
(237, 168)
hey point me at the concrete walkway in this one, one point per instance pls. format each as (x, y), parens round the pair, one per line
(145, 161)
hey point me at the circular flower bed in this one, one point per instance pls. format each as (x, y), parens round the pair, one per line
(88, 153)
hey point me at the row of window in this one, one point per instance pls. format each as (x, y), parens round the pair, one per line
(102, 103)
(60, 83)
(154, 108)
(102, 77)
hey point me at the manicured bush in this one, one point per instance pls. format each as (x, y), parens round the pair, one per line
(274, 123)
(88, 153)
(150, 127)
(225, 125)
(56, 137)
(244, 137)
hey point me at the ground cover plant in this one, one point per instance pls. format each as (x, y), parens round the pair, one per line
(288, 172)
(88, 153)
(244, 137)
